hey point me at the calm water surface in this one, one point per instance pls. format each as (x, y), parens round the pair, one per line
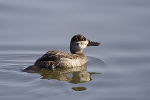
(119, 69)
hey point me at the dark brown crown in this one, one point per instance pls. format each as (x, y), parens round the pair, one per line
(78, 37)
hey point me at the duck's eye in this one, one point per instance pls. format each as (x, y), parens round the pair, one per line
(76, 39)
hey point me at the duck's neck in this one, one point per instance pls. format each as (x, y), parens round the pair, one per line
(76, 52)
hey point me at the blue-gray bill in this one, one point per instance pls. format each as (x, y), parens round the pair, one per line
(91, 43)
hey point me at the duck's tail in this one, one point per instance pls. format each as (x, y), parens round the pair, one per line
(32, 69)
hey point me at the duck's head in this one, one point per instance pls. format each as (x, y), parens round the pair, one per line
(79, 42)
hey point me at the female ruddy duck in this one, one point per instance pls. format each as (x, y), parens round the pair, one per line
(60, 59)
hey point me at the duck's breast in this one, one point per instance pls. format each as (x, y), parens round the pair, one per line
(68, 62)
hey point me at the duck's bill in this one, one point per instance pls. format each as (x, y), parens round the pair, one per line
(91, 43)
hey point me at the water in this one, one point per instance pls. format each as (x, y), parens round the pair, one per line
(120, 66)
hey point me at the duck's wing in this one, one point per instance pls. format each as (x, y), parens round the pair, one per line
(55, 55)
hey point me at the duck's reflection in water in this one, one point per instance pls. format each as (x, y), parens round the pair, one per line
(79, 88)
(72, 75)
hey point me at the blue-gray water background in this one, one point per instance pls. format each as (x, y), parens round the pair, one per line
(29, 28)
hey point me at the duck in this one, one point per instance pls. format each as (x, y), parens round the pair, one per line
(60, 59)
